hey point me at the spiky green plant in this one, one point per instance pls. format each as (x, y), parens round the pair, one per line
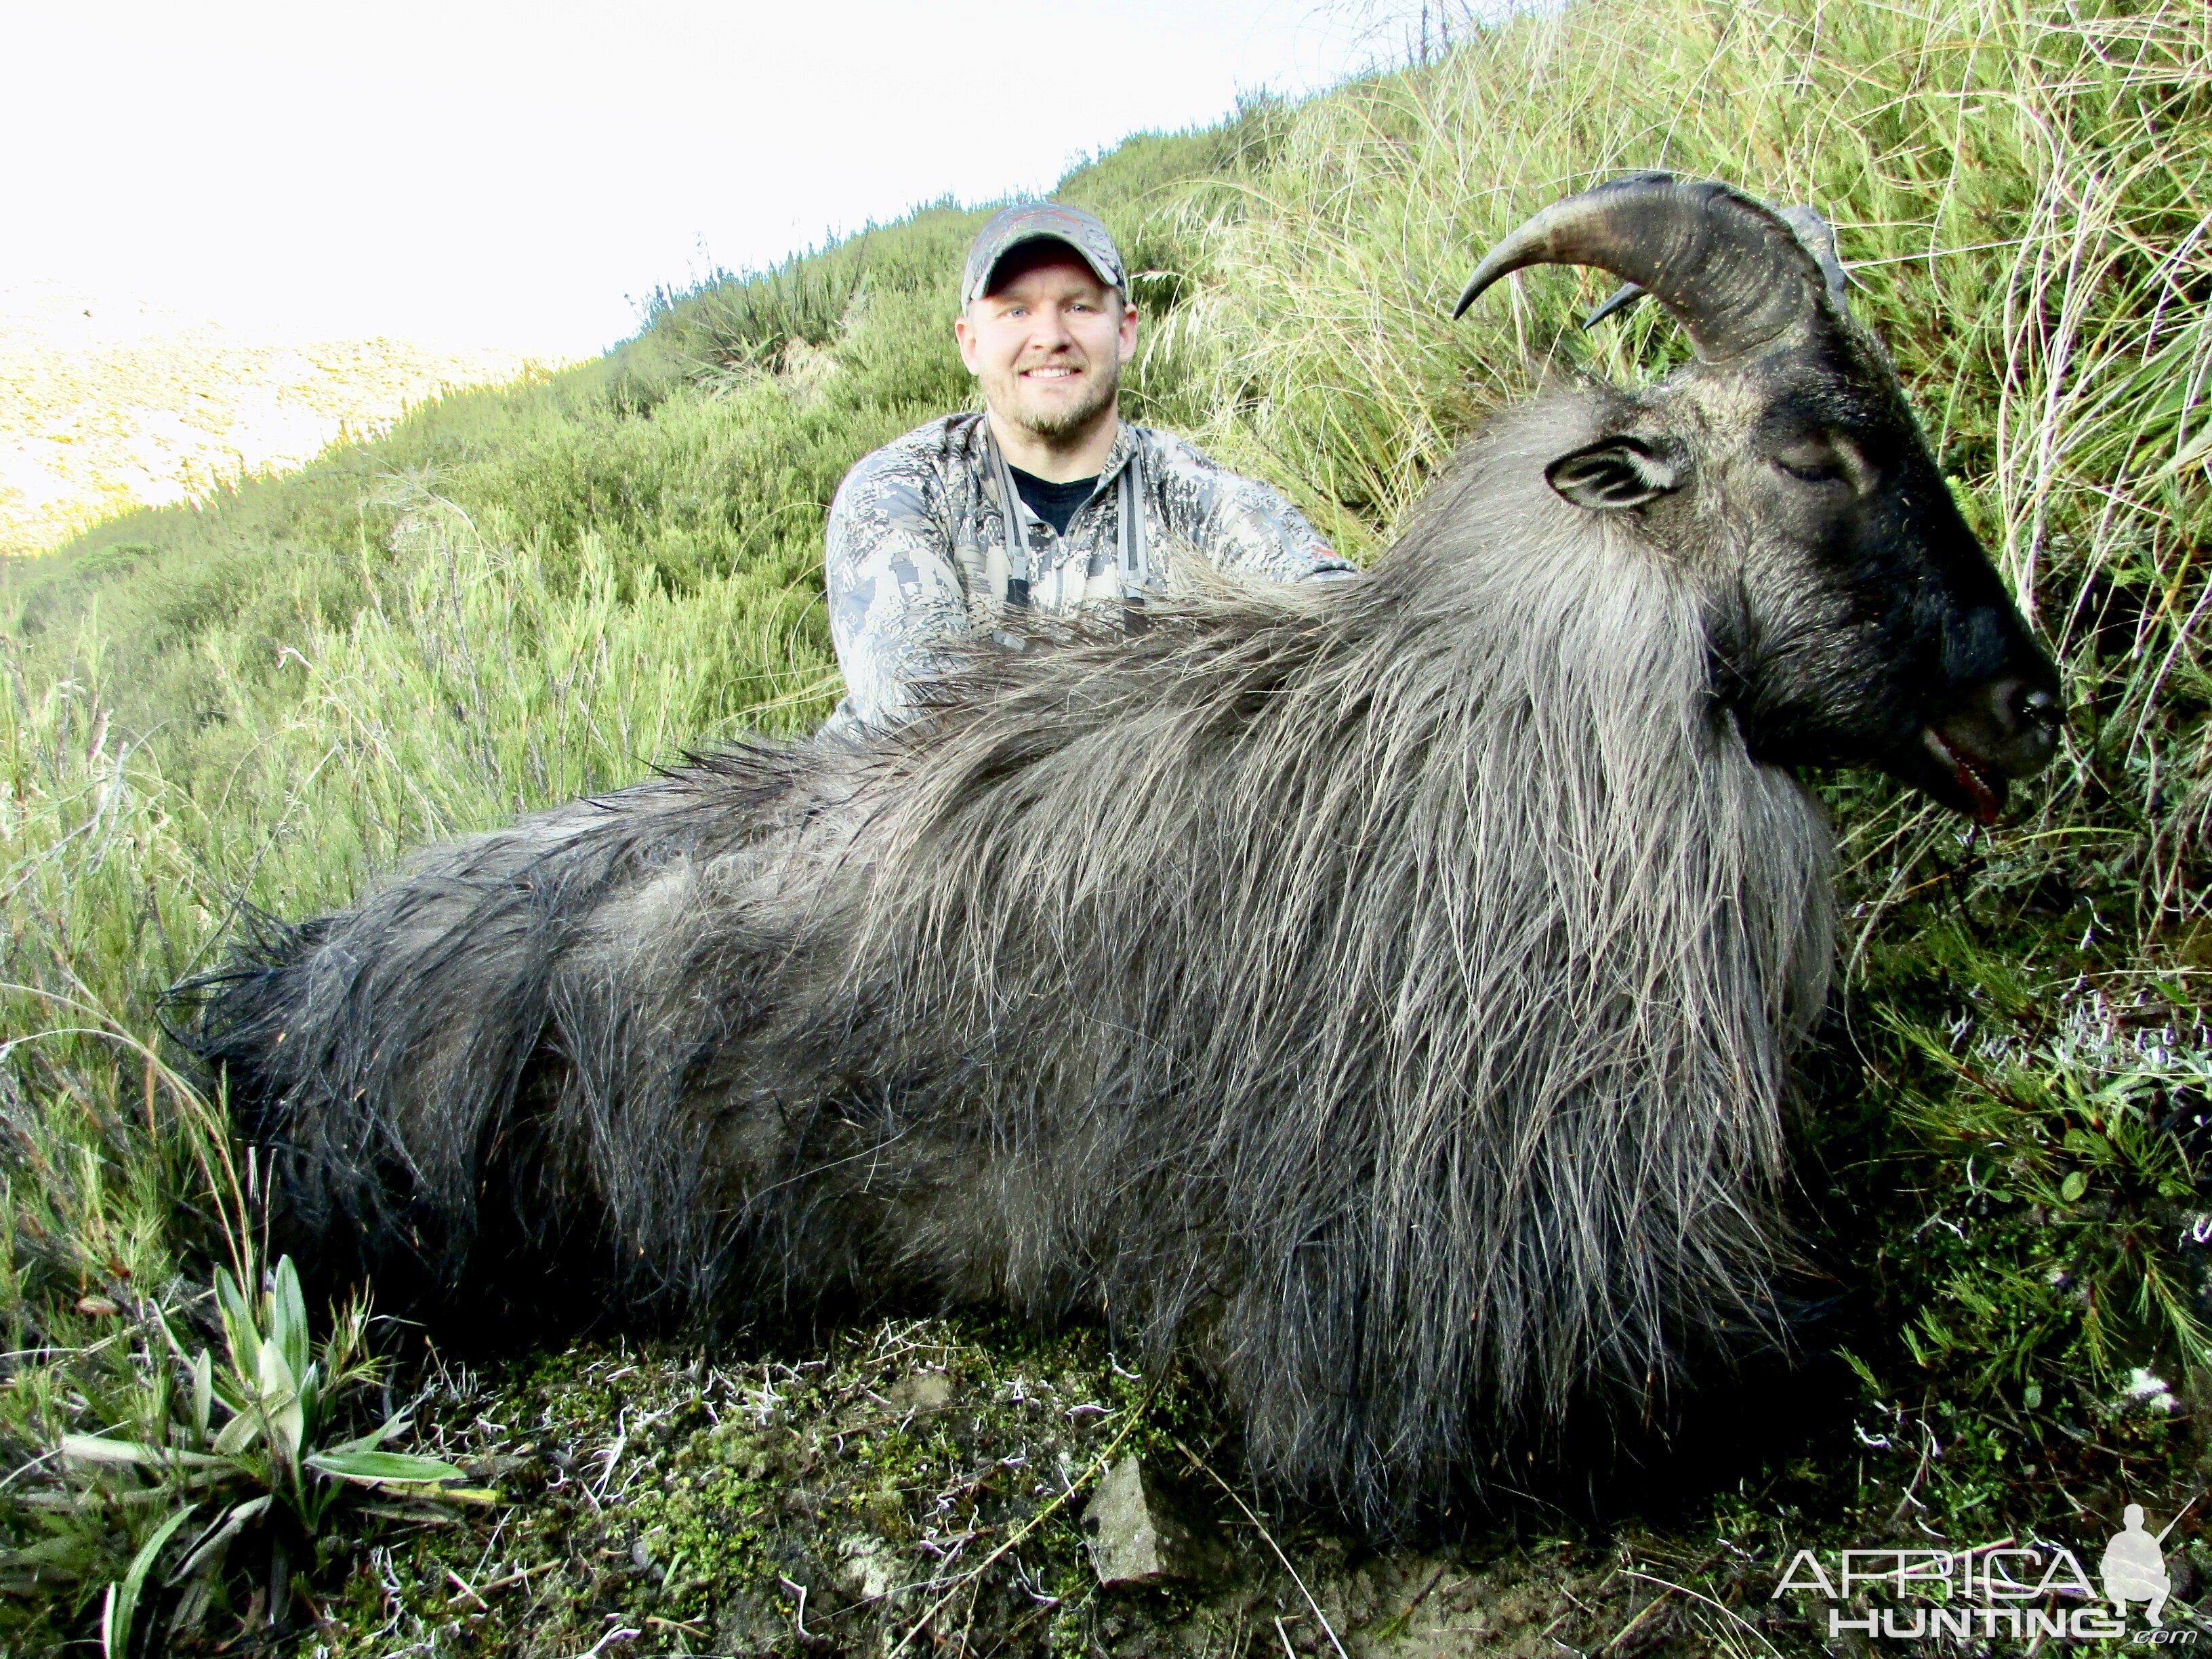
(282, 1400)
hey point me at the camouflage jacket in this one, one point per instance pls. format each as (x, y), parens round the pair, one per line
(917, 547)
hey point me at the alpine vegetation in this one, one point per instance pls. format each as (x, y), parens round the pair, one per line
(1382, 993)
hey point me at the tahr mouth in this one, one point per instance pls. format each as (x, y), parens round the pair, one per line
(1982, 788)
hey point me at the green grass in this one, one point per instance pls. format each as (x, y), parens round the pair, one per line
(523, 594)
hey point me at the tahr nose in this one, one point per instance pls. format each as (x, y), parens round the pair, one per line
(2010, 725)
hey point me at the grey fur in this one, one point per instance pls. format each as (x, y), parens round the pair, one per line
(1385, 995)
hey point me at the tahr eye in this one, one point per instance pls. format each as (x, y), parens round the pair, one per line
(1812, 465)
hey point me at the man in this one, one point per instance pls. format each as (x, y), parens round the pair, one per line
(2135, 1567)
(1047, 502)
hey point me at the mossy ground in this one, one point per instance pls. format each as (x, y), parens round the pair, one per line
(922, 1483)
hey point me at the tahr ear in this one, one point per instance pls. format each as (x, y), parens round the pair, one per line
(1614, 473)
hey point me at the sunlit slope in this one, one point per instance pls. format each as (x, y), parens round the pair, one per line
(105, 405)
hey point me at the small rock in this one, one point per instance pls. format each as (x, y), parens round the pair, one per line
(923, 1392)
(1134, 1534)
(98, 1307)
(871, 1569)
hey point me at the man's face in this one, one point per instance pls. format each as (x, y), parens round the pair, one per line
(1048, 343)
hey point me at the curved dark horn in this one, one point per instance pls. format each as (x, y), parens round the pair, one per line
(1626, 297)
(1730, 269)
(1814, 232)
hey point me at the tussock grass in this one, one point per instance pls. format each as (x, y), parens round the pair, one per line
(518, 598)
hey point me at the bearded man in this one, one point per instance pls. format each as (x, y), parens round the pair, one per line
(1047, 501)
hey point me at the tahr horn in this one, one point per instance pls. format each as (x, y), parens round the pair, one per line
(1737, 275)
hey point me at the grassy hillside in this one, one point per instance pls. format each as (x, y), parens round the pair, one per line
(520, 595)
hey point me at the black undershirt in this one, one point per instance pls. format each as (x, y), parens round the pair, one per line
(1056, 503)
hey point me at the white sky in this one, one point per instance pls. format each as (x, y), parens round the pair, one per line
(478, 172)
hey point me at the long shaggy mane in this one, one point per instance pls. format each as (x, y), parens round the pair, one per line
(1383, 992)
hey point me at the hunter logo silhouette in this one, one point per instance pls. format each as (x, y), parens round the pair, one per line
(2134, 1566)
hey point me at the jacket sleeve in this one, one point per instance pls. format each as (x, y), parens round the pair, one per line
(1240, 525)
(894, 594)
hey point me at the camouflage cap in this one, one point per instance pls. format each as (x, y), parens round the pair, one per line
(1031, 222)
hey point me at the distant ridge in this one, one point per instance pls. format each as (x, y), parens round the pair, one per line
(109, 403)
